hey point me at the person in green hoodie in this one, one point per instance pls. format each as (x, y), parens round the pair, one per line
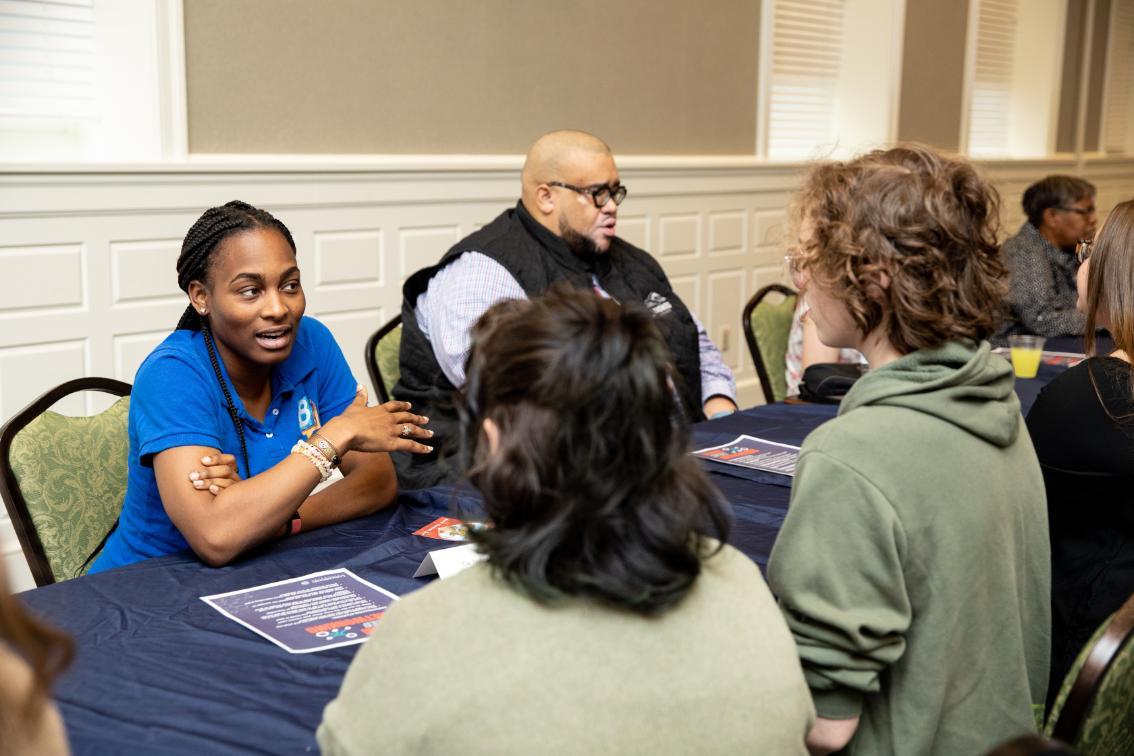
(913, 567)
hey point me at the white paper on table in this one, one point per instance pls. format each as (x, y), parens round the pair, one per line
(1069, 359)
(754, 453)
(308, 613)
(448, 562)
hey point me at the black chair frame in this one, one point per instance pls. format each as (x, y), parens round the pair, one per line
(1105, 650)
(372, 363)
(10, 488)
(1031, 745)
(750, 337)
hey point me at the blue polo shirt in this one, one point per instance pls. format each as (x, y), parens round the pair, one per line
(177, 401)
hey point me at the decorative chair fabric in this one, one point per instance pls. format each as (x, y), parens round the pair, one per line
(386, 355)
(72, 474)
(771, 325)
(1108, 725)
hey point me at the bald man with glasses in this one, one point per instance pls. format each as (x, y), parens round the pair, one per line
(563, 229)
(1041, 257)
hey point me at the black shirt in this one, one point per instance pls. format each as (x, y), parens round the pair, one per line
(1082, 425)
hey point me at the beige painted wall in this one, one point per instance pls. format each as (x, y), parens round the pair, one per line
(484, 77)
(442, 77)
(933, 73)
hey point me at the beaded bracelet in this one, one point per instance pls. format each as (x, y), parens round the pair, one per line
(327, 449)
(322, 464)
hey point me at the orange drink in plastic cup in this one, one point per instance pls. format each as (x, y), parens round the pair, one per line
(1026, 354)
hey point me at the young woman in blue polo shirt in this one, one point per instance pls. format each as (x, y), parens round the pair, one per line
(246, 407)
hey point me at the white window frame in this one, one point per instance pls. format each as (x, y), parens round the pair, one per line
(1032, 104)
(141, 101)
(867, 88)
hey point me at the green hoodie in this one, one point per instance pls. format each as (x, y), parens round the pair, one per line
(913, 566)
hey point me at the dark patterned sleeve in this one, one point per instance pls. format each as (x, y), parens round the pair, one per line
(1035, 299)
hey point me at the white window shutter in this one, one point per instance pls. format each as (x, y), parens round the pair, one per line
(1118, 120)
(990, 103)
(47, 60)
(807, 54)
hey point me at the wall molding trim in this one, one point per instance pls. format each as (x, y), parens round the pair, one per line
(87, 255)
(324, 181)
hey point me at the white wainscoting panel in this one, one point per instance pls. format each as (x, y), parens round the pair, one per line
(679, 237)
(140, 271)
(42, 277)
(349, 258)
(87, 281)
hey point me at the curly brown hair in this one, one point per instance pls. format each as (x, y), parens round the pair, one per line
(908, 239)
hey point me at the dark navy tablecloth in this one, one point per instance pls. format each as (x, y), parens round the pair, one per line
(158, 671)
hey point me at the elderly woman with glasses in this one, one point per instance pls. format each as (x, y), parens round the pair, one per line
(1082, 425)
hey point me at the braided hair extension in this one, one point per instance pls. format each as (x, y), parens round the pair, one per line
(229, 404)
(194, 263)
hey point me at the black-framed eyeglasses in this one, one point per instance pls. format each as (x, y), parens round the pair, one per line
(1083, 211)
(600, 194)
(1083, 250)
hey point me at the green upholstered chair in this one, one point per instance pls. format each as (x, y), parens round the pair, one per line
(767, 324)
(1094, 710)
(382, 357)
(63, 479)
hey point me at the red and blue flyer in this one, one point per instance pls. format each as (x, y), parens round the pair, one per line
(310, 613)
(445, 529)
(754, 453)
(1062, 359)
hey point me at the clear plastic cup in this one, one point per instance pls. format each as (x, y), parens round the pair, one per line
(1026, 353)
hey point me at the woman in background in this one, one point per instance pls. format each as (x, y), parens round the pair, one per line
(1082, 425)
(31, 656)
(603, 621)
(245, 373)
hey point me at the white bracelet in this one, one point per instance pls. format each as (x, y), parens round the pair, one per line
(322, 464)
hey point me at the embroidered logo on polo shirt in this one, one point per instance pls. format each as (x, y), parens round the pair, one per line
(308, 417)
(658, 304)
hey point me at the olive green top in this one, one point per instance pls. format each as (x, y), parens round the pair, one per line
(470, 665)
(913, 566)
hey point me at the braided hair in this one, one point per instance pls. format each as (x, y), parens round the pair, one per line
(195, 263)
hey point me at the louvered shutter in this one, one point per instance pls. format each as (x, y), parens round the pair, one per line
(990, 100)
(1118, 121)
(807, 53)
(47, 61)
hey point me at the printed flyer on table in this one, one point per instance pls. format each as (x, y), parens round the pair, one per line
(755, 453)
(310, 613)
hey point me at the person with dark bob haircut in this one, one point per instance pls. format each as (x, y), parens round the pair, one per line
(246, 407)
(605, 618)
(1041, 257)
(1082, 424)
(913, 565)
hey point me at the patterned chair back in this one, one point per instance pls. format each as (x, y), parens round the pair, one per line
(382, 350)
(1094, 711)
(63, 480)
(767, 326)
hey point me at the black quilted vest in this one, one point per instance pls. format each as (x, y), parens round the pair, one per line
(536, 258)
